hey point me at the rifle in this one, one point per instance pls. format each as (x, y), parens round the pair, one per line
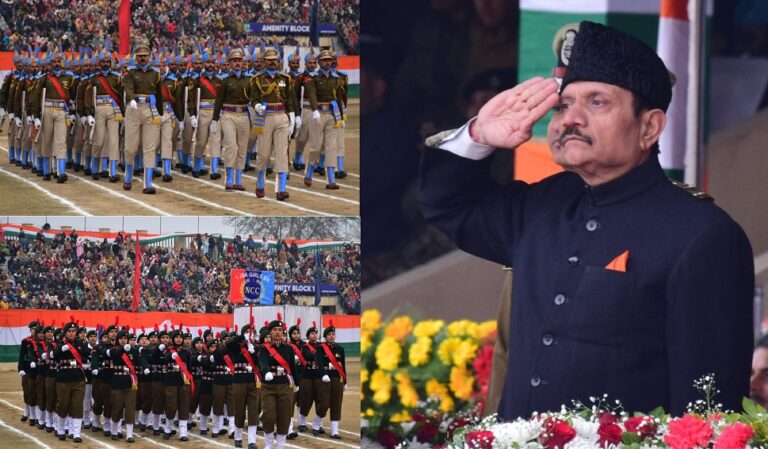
(197, 114)
(42, 111)
(90, 135)
(23, 112)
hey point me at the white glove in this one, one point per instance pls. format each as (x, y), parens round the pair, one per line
(249, 368)
(298, 122)
(174, 355)
(292, 118)
(127, 347)
(295, 389)
(22, 373)
(268, 377)
(2, 112)
(95, 372)
(326, 379)
(251, 348)
(140, 348)
(44, 356)
(146, 371)
(316, 116)
(89, 346)
(181, 125)
(296, 359)
(259, 108)
(83, 120)
(65, 348)
(71, 117)
(109, 353)
(200, 358)
(38, 123)
(11, 116)
(33, 365)
(30, 120)
(91, 120)
(86, 366)
(226, 368)
(161, 347)
(18, 122)
(212, 359)
(193, 121)
(214, 126)
(345, 387)
(50, 355)
(133, 104)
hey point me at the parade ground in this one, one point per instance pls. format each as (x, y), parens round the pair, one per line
(27, 194)
(16, 434)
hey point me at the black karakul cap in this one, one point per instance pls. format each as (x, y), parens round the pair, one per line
(607, 55)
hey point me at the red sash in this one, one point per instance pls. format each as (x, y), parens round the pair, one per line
(111, 92)
(311, 348)
(55, 82)
(208, 86)
(129, 364)
(167, 94)
(188, 379)
(75, 354)
(298, 353)
(34, 345)
(334, 362)
(253, 365)
(276, 355)
(230, 364)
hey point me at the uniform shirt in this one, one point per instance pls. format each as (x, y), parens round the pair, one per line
(316, 361)
(69, 370)
(209, 370)
(682, 308)
(46, 82)
(113, 79)
(105, 362)
(173, 375)
(7, 82)
(266, 88)
(121, 374)
(144, 82)
(299, 370)
(323, 88)
(337, 352)
(158, 364)
(80, 96)
(23, 364)
(267, 363)
(233, 90)
(175, 95)
(242, 375)
(144, 361)
(221, 376)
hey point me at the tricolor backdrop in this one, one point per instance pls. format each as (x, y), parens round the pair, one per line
(13, 325)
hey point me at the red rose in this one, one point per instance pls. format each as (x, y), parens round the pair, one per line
(688, 432)
(427, 433)
(556, 434)
(609, 434)
(642, 425)
(735, 436)
(387, 438)
(479, 439)
(607, 418)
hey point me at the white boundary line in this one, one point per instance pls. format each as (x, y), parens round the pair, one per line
(201, 200)
(82, 434)
(251, 195)
(156, 443)
(40, 443)
(123, 196)
(63, 200)
(306, 190)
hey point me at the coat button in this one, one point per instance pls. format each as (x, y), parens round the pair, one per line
(547, 340)
(592, 225)
(573, 261)
(535, 381)
(559, 300)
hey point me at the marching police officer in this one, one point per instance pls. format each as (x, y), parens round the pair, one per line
(207, 83)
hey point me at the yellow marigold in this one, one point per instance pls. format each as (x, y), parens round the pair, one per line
(439, 391)
(365, 342)
(446, 349)
(368, 413)
(462, 328)
(447, 404)
(399, 328)
(461, 382)
(370, 321)
(464, 353)
(381, 385)
(388, 354)
(419, 352)
(486, 329)
(399, 417)
(408, 395)
(428, 328)
(363, 376)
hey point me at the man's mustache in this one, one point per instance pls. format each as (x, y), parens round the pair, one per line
(573, 131)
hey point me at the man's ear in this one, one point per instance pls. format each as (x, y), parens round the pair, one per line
(653, 122)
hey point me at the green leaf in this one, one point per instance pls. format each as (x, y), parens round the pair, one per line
(658, 412)
(749, 407)
(630, 438)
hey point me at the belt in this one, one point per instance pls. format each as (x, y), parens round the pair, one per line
(275, 107)
(121, 374)
(306, 104)
(141, 99)
(207, 104)
(103, 100)
(234, 108)
(55, 103)
(325, 107)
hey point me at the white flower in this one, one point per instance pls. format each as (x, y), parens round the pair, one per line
(414, 444)
(370, 444)
(407, 426)
(650, 446)
(581, 443)
(506, 434)
(586, 429)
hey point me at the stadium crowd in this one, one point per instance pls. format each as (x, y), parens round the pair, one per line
(77, 274)
(167, 23)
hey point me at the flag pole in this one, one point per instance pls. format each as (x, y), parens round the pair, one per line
(694, 154)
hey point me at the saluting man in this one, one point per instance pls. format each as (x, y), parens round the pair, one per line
(143, 85)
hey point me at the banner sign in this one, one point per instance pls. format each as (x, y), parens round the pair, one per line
(252, 287)
(288, 28)
(306, 289)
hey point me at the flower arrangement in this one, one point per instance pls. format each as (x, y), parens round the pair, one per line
(419, 378)
(604, 425)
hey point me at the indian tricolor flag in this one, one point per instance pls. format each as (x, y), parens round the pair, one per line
(674, 32)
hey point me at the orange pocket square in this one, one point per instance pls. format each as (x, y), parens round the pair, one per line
(619, 263)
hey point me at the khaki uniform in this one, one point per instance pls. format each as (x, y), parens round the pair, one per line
(105, 110)
(142, 125)
(231, 108)
(277, 93)
(322, 90)
(54, 117)
(172, 89)
(83, 142)
(204, 118)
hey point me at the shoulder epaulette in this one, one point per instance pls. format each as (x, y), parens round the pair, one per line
(696, 193)
(222, 76)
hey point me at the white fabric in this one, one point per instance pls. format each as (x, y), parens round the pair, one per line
(252, 434)
(77, 425)
(281, 441)
(461, 144)
(334, 427)
(97, 420)
(26, 409)
(115, 427)
(182, 428)
(215, 423)
(203, 423)
(238, 434)
(59, 424)
(128, 430)
(269, 439)
(156, 422)
(290, 426)
(302, 420)
(168, 424)
(317, 422)
(87, 403)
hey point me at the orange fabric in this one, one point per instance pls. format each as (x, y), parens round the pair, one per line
(619, 263)
(674, 9)
(533, 162)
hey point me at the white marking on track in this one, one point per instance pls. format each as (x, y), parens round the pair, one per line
(201, 200)
(252, 196)
(307, 190)
(26, 435)
(75, 208)
(123, 196)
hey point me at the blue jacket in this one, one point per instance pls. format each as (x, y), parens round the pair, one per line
(682, 308)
